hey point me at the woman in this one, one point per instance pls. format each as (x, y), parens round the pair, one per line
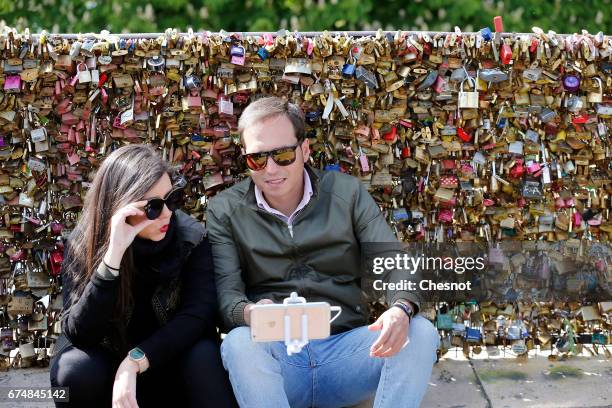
(139, 295)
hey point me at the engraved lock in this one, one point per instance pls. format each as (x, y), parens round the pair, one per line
(237, 55)
(468, 100)
(596, 96)
(38, 134)
(83, 73)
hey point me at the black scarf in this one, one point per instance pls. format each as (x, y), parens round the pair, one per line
(157, 260)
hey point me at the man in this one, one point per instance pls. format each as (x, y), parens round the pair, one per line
(291, 228)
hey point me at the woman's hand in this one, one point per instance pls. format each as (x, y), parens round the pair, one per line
(124, 387)
(123, 233)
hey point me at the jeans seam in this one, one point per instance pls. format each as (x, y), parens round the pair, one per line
(314, 382)
(382, 385)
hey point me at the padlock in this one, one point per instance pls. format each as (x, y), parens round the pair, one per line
(596, 96)
(571, 83)
(468, 99)
(237, 55)
(494, 75)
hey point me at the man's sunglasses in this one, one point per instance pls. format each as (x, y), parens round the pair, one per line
(283, 156)
(155, 205)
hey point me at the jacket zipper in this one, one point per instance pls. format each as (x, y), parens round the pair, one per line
(290, 230)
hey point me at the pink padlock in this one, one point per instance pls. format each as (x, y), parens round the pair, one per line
(533, 167)
(488, 202)
(72, 135)
(104, 96)
(12, 84)
(577, 219)
(440, 85)
(445, 216)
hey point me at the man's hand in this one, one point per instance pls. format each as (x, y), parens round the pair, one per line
(124, 388)
(394, 325)
(247, 309)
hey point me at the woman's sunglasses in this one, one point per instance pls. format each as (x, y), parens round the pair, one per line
(283, 157)
(155, 205)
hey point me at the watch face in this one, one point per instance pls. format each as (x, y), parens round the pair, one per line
(136, 354)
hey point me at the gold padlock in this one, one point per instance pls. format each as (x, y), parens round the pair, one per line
(596, 96)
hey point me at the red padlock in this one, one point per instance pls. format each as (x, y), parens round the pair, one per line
(517, 170)
(463, 135)
(57, 257)
(405, 152)
(391, 135)
(505, 54)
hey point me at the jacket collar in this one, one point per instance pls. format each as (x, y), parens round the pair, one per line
(248, 197)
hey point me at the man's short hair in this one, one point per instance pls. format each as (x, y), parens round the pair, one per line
(269, 107)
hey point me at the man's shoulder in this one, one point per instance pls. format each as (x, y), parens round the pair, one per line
(339, 184)
(228, 199)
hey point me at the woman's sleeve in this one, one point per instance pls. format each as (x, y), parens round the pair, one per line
(197, 312)
(86, 319)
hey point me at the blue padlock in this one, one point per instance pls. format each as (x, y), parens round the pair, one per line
(472, 334)
(263, 53)
(312, 116)
(332, 167)
(400, 215)
(348, 70)
(486, 33)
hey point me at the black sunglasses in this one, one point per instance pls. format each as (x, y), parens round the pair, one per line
(283, 156)
(155, 205)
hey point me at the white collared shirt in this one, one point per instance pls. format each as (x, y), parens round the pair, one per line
(263, 204)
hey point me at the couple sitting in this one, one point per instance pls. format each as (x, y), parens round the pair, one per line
(143, 284)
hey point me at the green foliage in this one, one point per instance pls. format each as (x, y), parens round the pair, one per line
(74, 16)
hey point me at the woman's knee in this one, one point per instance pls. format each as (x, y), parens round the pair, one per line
(83, 372)
(205, 353)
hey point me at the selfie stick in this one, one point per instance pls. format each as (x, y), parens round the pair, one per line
(295, 345)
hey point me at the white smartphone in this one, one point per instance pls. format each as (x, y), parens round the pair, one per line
(268, 321)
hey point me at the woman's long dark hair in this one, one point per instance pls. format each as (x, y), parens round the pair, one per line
(124, 177)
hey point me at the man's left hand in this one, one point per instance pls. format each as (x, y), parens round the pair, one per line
(394, 335)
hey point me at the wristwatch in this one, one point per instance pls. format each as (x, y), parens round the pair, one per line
(137, 355)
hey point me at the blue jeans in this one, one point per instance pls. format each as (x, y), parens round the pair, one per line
(333, 372)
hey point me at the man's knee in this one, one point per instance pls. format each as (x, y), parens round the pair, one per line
(422, 331)
(236, 343)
